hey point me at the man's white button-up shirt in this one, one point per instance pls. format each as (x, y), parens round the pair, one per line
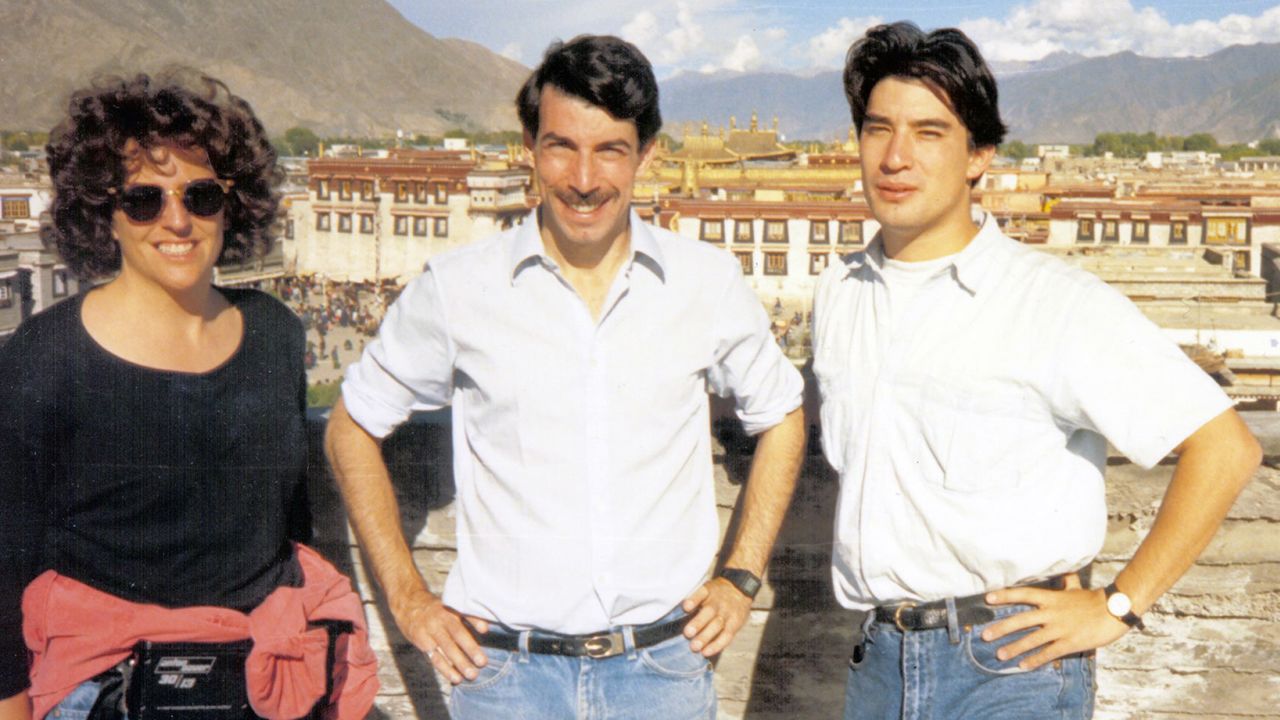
(969, 426)
(582, 453)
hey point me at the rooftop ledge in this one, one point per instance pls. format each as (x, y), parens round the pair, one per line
(1210, 649)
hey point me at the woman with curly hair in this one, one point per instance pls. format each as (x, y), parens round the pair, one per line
(153, 441)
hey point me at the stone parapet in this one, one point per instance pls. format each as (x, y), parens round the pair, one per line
(1211, 650)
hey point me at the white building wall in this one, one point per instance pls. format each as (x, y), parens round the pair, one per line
(362, 257)
(1062, 232)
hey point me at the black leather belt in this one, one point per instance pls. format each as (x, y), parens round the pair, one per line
(970, 610)
(595, 645)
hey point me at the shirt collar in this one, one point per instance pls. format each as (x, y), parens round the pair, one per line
(527, 248)
(971, 266)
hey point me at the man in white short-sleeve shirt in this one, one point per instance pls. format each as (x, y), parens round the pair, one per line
(969, 387)
(577, 351)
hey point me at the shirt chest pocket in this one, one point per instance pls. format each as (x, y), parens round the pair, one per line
(981, 432)
(844, 412)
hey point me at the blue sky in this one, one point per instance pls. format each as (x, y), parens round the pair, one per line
(802, 35)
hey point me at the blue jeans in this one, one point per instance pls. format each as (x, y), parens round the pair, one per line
(666, 681)
(952, 674)
(77, 704)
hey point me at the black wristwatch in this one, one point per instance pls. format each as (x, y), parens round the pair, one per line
(745, 580)
(1121, 607)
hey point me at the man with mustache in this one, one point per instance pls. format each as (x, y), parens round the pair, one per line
(577, 351)
(969, 387)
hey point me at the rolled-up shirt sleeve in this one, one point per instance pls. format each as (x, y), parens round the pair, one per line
(749, 365)
(408, 367)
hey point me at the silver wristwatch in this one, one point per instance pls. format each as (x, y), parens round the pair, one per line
(1121, 607)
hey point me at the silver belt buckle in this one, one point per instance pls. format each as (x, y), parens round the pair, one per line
(603, 645)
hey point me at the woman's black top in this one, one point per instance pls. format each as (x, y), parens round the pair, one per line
(162, 487)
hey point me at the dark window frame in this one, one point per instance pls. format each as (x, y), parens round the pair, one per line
(1140, 238)
(706, 224)
(814, 227)
(1084, 230)
(1110, 230)
(768, 225)
(844, 227)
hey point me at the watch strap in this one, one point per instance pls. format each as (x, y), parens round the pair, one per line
(746, 581)
(1130, 618)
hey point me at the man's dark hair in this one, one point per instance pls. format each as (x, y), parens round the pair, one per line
(607, 72)
(946, 60)
(179, 108)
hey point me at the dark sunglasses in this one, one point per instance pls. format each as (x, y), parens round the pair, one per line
(144, 203)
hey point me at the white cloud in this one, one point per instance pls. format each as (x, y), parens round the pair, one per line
(686, 37)
(1103, 27)
(827, 49)
(744, 56)
(513, 51)
(687, 34)
(706, 34)
(641, 30)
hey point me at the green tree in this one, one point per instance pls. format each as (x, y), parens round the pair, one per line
(301, 140)
(17, 141)
(1200, 142)
(1270, 146)
(1016, 149)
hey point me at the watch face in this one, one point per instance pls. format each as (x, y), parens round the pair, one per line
(1119, 604)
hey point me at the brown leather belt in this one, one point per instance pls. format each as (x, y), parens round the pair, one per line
(970, 610)
(595, 645)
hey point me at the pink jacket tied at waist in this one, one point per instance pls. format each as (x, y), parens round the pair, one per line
(76, 632)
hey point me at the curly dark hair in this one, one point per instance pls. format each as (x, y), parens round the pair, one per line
(181, 108)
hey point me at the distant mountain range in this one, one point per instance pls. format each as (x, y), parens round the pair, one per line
(1233, 94)
(337, 66)
(357, 67)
